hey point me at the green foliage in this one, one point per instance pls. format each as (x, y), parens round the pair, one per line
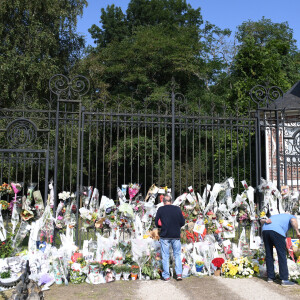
(5, 275)
(6, 248)
(140, 52)
(152, 267)
(38, 40)
(118, 268)
(267, 52)
(168, 13)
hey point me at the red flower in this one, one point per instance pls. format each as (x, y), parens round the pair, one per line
(218, 262)
(3, 243)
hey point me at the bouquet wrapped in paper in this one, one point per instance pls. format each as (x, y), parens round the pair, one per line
(94, 203)
(22, 232)
(269, 202)
(152, 193)
(51, 194)
(121, 196)
(141, 252)
(133, 189)
(39, 203)
(29, 198)
(5, 189)
(17, 187)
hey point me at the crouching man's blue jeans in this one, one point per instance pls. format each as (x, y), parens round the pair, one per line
(165, 246)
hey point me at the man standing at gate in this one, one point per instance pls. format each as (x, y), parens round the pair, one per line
(171, 221)
(274, 232)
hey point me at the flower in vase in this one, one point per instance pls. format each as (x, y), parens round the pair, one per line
(134, 269)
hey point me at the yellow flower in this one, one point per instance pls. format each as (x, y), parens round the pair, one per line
(205, 221)
(262, 214)
(145, 236)
(256, 268)
(104, 263)
(233, 271)
(221, 221)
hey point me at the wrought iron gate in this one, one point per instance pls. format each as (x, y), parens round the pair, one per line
(172, 142)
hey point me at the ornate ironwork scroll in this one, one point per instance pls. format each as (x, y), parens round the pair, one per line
(21, 133)
(263, 96)
(69, 88)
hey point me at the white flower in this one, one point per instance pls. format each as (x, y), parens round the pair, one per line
(64, 195)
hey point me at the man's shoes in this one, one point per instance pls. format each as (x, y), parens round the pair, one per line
(179, 277)
(166, 279)
(270, 280)
(287, 283)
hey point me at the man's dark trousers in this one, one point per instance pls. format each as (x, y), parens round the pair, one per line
(272, 238)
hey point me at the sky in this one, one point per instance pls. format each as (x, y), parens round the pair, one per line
(223, 13)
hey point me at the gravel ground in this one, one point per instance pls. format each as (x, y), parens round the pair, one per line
(259, 289)
(189, 288)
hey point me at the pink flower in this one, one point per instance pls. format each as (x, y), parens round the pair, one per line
(59, 218)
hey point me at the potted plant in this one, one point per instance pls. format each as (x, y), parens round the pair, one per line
(118, 270)
(107, 265)
(134, 272)
(119, 260)
(218, 262)
(78, 271)
(94, 267)
(199, 266)
(126, 272)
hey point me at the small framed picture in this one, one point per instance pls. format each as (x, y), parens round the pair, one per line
(285, 190)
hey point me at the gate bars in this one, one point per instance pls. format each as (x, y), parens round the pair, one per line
(172, 141)
(165, 144)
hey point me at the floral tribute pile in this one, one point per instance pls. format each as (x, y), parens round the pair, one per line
(221, 234)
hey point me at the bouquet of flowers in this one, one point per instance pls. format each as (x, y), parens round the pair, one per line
(78, 271)
(5, 189)
(29, 198)
(107, 265)
(27, 215)
(218, 262)
(239, 268)
(4, 204)
(64, 195)
(135, 269)
(16, 187)
(133, 189)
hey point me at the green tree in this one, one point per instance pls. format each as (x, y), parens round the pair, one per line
(38, 39)
(115, 25)
(139, 53)
(266, 52)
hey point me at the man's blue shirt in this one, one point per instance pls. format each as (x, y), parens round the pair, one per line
(280, 223)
